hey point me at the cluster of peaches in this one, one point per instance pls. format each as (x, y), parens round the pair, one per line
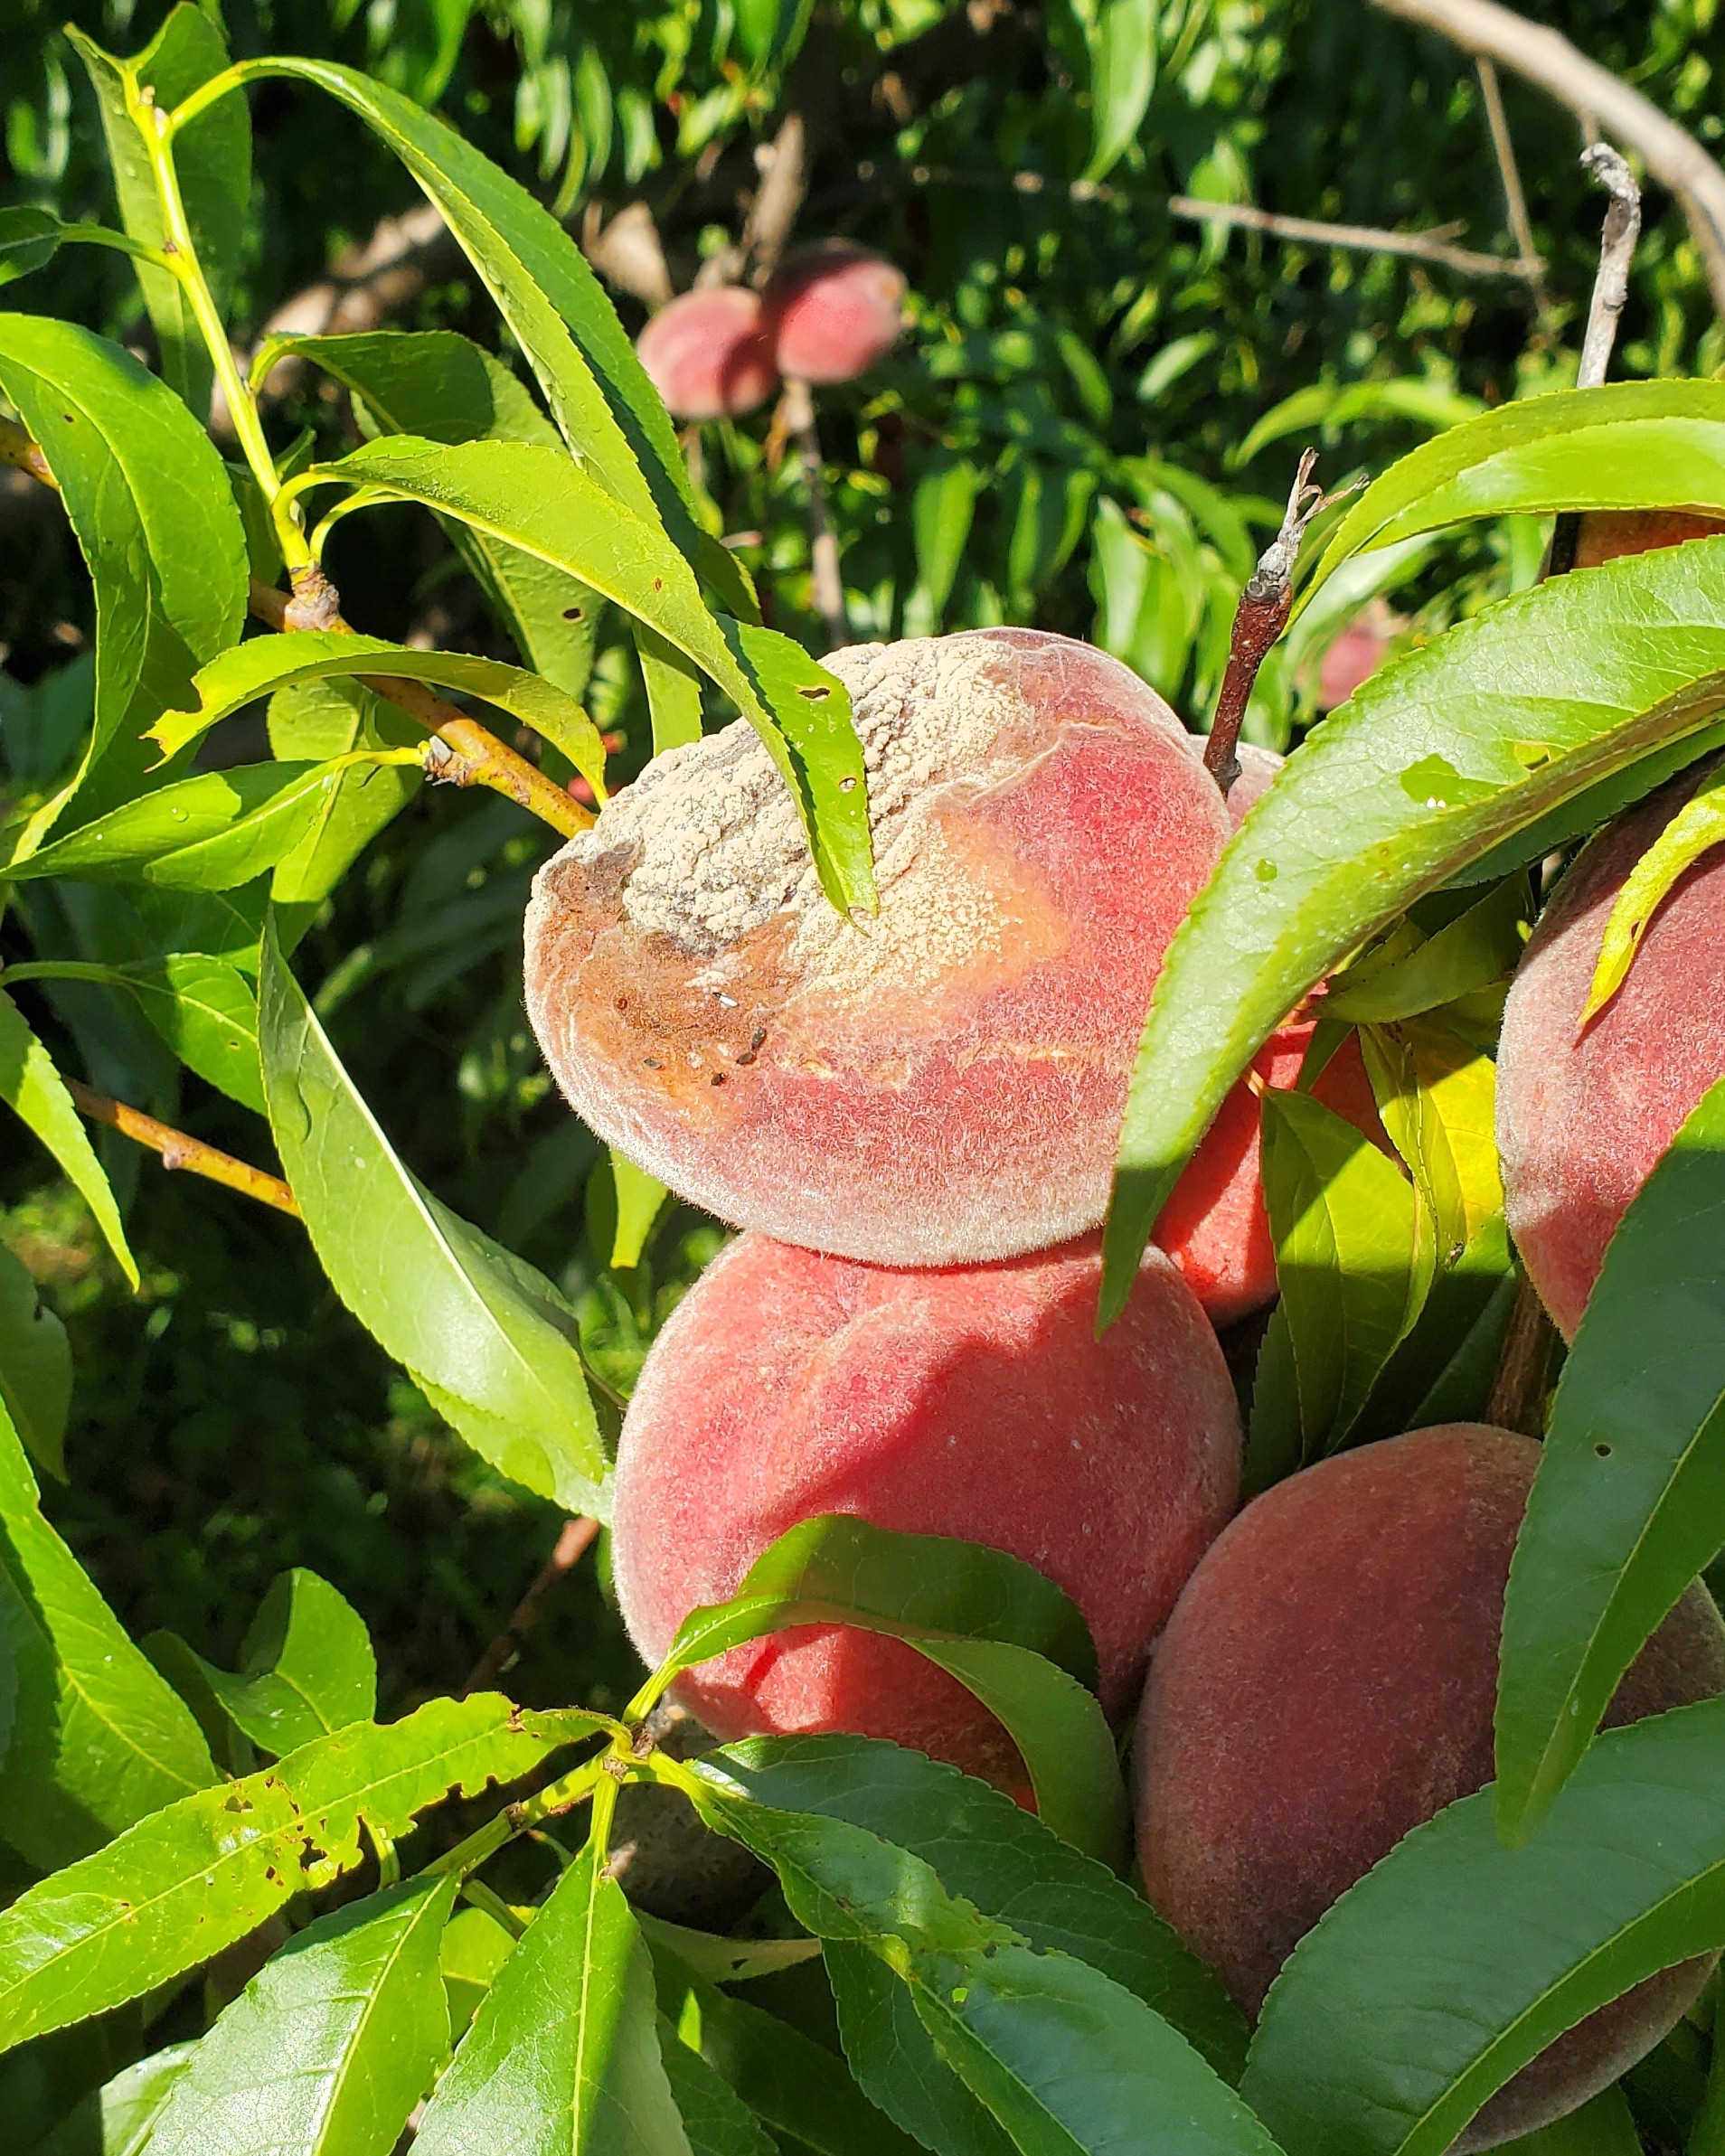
(914, 1117)
(827, 314)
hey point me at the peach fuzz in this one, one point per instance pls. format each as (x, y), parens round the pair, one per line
(942, 1083)
(973, 1401)
(1326, 1683)
(707, 356)
(832, 312)
(1584, 1114)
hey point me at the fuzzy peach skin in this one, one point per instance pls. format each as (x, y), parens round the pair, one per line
(1583, 1115)
(707, 354)
(831, 311)
(1326, 1683)
(1608, 533)
(973, 1401)
(942, 1083)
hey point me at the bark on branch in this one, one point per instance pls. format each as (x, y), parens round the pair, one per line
(1601, 103)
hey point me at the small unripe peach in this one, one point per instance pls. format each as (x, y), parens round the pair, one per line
(973, 1402)
(1326, 1684)
(832, 311)
(707, 355)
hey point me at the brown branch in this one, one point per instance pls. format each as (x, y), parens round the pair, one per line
(570, 1545)
(772, 215)
(1595, 95)
(1258, 621)
(178, 1150)
(476, 757)
(798, 411)
(1610, 290)
(1424, 247)
(1517, 1399)
(1515, 196)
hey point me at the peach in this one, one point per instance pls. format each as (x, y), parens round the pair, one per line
(1352, 658)
(1606, 533)
(831, 311)
(1326, 1683)
(941, 1083)
(1215, 1226)
(973, 1401)
(1584, 1113)
(707, 355)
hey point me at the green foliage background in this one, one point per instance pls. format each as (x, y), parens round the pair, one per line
(1058, 439)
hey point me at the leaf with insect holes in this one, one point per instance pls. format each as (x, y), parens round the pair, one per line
(191, 1879)
(435, 383)
(1481, 737)
(540, 503)
(1698, 827)
(268, 664)
(1628, 1505)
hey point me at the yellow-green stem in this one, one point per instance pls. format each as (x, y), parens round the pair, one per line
(157, 127)
(206, 95)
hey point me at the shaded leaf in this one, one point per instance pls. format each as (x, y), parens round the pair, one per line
(35, 1367)
(1122, 74)
(716, 2122)
(30, 1084)
(116, 2120)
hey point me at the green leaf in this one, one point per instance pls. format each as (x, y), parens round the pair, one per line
(189, 1880)
(1698, 827)
(116, 2120)
(482, 1332)
(1068, 2061)
(1479, 946)
(796, 2086)
(268, 663)
(895, 2061)
(309, 1667)
(1122, 75)
(203, 1007)
(723, 1961)
(29, 240)
(540, 503)
(435, 383)
(715, 2122)
(1628, 1505)
(475, 1947)
(1004, 1631)
(943, 507)
(331, 2044)
(563, 2054)
(30, 1084)
(97, 1739)
(211, 833)
(990, 1852)
(1438, 757)
(321, 720)
(213, 162)
(35, 1367)
(640, 1199)
(149, 503)
(610, 413)
(1353, 1266)
(1443, 1371)
(1455, 1960)
(1640, 444)
(1603, 2127)
(674, 691)
(1437, 1098)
